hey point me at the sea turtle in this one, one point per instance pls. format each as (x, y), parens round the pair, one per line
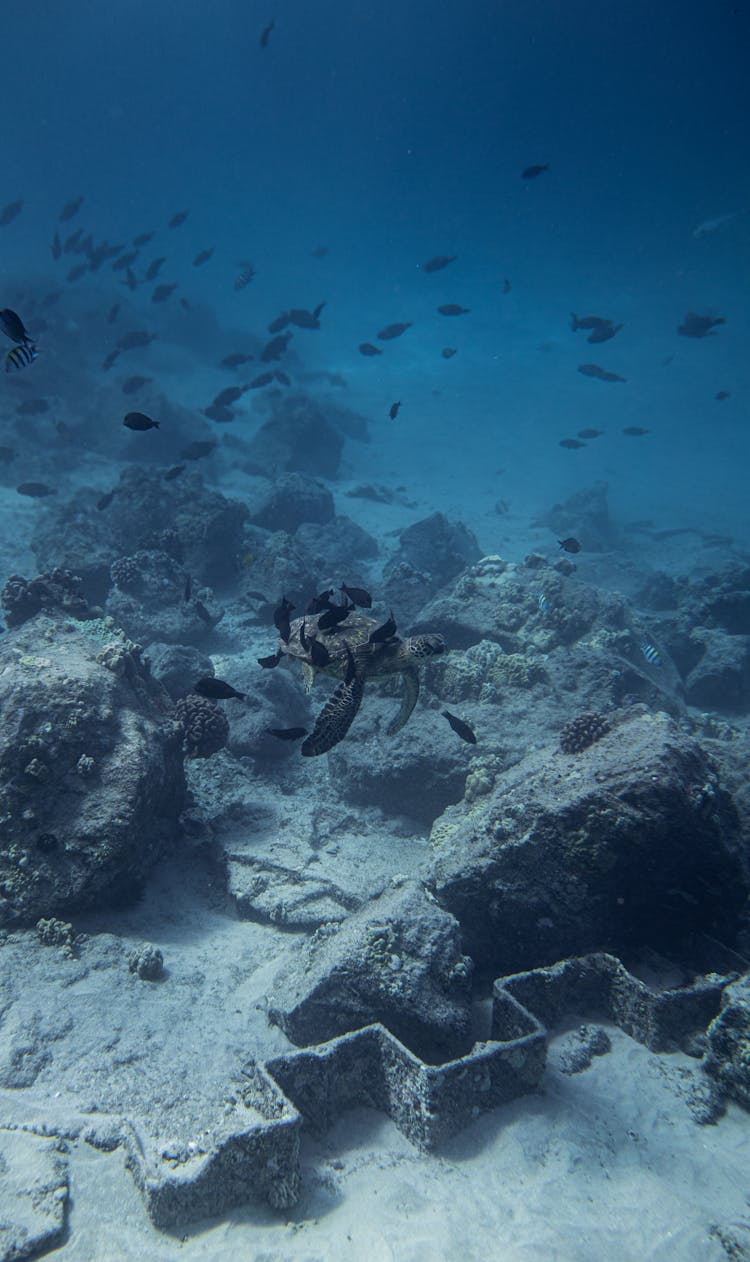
(353, 651)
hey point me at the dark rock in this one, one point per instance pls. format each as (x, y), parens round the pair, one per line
(438, 548)
(721, 679)
(58, 591)
(297, 437)
(728, 1056)
(585, 515)
(178, 667)
(635, 846)
(69, 700)
(580, 1048)
(147, 599)
(291, 500)
(397, 961)
(147, 962)
(335, 545)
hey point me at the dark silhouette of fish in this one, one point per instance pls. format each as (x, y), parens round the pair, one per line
(105, 500)
(265, 34)
(269, 662)
(367, 348)
(174, 472)
(235, 360)
(219, 412)
(571, 443)
(393, 411)
(699, 325)
(202, 257)
(9, 212)
(333, 616)
(70, 209)
(142, 239)
(178, 218)
(197, 450)
(448, 352)
(20, 357)
(76, 272)
(319, 655)
(244, 276)
(32, 407)
(280, 323)
(461, 728)
(228, 396)
(384, 632)
(439, 262)
(282, 377)
(153, 269)
(319, 252)
(137, 338)
(590, 433)
(163, 292)
(35, 490)
(139, 421)
(506, 285)
(721, 395)
(281, 618)
(570, 544)
(13, 326)
(316, 604)
(109, 360)
(264, 379)
(287, 733)
(635, 431)
(217, 689)
(453, 309)
(275, 348)
(125, 261)
(306, 319)
(601, 374)
(393, 330)
(132, 385)
(56, 247)
(357, 595)
(113, 313)
(536, 169)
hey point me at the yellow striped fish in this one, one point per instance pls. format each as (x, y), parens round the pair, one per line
(20, 356)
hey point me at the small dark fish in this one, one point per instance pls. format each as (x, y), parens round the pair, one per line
(636, 431)
(459, 727)
(125, 260)
(586, 322)
(333, 616)
(650, 652)
(70, 209)
(537, 168)
(367, 348)
(219, 413)
(20, 357)
(32, 407)
(113, 313)
(571, 443)
(320, 602)
(174, 472)
(393, 413)
(306, 319)
(56, 247)
(162, 293)
(357, 595)
(109, 361)
(275, 348)
(235, 360)
(153, 269)
(601, 374)
(139, 337)
(184, 304)
(131, 280)
(50, 299)
(9, 212)
(197, 450)
(217, 689)
(105, 500)
(280, 323)
(384, 632)
(269, 662)
(439, 262)
(604, 332)
(287, 733)
(76, 272)
(133, 384)
(281, 618)
(6, 455)
(265, 34)
(506, 285)
(319, 252)
(177, 219)
(699, 325)
(319, 655)
(721, 395)
(448, 352)
(264, 379)
(142, 239)
(187, 590)
(282, 377)
(244, 276)
(139, 421)
(13, 326)
(393, 330)
(570, 544)
(453, 309)
(35, 490)
(590, 433)
(303, 636)
(228, 396)
(202, 257)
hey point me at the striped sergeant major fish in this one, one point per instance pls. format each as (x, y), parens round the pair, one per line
(650, 652)
(20, 356)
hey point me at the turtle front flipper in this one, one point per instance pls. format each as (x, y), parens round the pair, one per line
(410, 679)
(336, 717)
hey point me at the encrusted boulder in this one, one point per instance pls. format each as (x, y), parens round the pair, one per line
(298, 437)
(436, 547)
(728, 1056)
(398, 961)
(91, 778)
(627, 843)
(721, 679)
(291, 500)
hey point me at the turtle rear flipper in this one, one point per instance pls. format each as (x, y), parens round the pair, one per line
(336, 717)
(408, 701)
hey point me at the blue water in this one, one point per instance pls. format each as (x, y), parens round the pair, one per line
(389, 133)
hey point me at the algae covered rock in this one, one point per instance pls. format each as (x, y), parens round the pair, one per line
(397, 961)
(728, 1056)
(627, 843)
(91, 779)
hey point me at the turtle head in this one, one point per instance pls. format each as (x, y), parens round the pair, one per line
(425, 645)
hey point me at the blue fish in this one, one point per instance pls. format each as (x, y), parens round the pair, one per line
(543, 603)
(650, 652)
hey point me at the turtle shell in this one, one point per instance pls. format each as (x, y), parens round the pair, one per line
(354, 632)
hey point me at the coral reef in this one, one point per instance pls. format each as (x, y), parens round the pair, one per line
(58, 590)
(204, 726)
(582, 731)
